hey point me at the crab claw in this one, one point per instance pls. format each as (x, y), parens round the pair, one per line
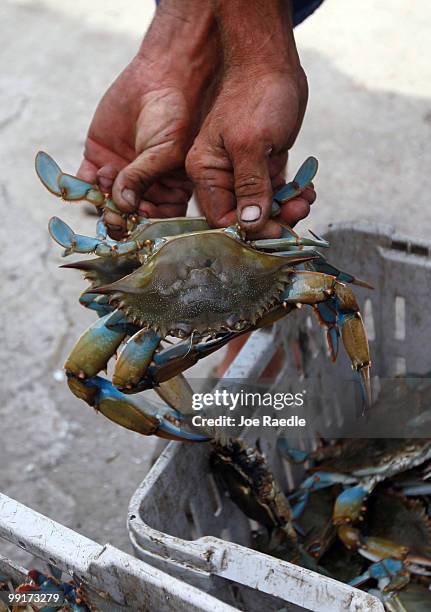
(354, 337)
(131, 412)
(327, 317)
(349, 505)
(66, 237)
(134, 359)
(96, 345)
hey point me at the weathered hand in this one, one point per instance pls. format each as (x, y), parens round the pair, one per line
(145, 123)
(239, 155)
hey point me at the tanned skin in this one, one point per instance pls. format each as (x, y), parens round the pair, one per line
(213, 101)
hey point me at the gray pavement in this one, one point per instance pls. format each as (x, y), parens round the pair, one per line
(368, 122)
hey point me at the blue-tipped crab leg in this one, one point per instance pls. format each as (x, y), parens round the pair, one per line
(75, 243)
(171, 361)
(315, 482)
(289, 239)
(134, 413)
(390, 574)
(321, 265)
(301, 180)
(48, 172)
(98, 303)
(64, 185)
(71, 188)
(66, 237)
(416, 490)
(377, 549)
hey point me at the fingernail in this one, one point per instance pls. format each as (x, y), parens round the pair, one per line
(105, 183)
(251, 213)
(129, 196)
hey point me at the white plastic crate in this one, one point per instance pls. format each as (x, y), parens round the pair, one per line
(178, 519)
(114, 580)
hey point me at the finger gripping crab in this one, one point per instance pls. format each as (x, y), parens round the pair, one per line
(178, 278)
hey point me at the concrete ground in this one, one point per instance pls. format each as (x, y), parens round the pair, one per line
(368, 122)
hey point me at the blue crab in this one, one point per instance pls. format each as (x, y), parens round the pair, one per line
(203, 287)
(360, 465)
(244, 473)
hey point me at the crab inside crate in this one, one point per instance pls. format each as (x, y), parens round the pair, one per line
(178, 518)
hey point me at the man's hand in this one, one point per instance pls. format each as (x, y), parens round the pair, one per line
(145, 123)
(238, 159)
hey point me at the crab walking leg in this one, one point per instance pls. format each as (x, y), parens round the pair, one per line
(98, 303)
(390, 575)
(301, 180)
(314, 288)
(133, 413)
(97, 345)
(315, 482)
(164, 374)
(68, 187)
(289, 238)
(377, 549)
(176, 359)
(76, 243)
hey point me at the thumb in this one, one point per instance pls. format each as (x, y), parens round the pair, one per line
(253, 190)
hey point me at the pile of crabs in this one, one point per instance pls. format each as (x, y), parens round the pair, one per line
(361, 515)
(174, 291)
(44, 593)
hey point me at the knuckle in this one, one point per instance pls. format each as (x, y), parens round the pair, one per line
(193, 162)
(250, 184)
(199, 166)
(243, 145)
(175, 154)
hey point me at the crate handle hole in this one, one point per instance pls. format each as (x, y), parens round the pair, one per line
(400, 366)
(400, 318)
(369, 320)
